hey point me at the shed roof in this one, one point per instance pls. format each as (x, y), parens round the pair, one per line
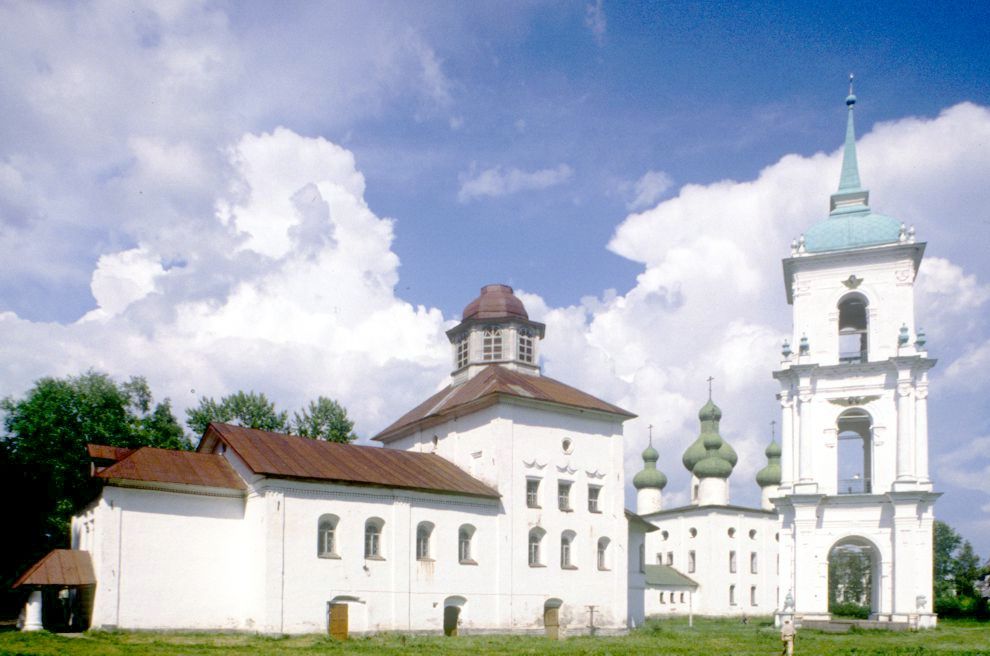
(637, 522)
(167, 466)
(486, 388)
(60, 567)
(668, 576)
(291, 456)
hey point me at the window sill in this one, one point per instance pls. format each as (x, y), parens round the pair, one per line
(594, 512)
(568, 567)
(604, 569)
(534, 507)
(374, 558)
(328, 556)
(424, 560)
(566, 509)
(536, 565)
(469, 562)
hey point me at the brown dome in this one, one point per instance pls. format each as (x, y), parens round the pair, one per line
(495, 302)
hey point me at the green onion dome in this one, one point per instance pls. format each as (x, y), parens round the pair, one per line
(771, 474)
(713, 465)
(650, 476)
(710, 415)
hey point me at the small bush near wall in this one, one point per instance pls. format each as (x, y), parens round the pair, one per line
(850, 610)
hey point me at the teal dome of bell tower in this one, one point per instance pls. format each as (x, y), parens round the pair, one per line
(851, 223)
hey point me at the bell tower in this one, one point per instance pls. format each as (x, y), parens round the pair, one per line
(853, 396)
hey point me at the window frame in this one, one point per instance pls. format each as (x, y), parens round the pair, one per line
(533, 496)
(564, 495)
(692, 562)
(373, 529)
(327, 525)
(594, 498)
(424, 535)
(534, 543)
(753, 563)
(602, 554)
(732, 562)
(567, 550)
(492, 344)
(524, 346)
(462, 351)
(465, 536)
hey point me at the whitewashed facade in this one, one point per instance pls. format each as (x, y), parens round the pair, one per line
(547, 551)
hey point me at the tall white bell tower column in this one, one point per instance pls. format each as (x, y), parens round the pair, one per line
(854, 387)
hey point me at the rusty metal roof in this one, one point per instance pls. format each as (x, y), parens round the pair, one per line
(495, 302)
(106, 452)
(167, 466)
(60, 567)
(485, 388)
(290, 456)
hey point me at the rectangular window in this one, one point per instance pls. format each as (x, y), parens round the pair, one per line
(525, 347)
(752, 562)
(642, 559)
(565, 553)
(464, 546)
(732, 595)
(534, 551)
(491, 344)
(662, 597)
(533, 492)
(593, 493)
(659, 558)
(752, 596)
(690, 562)
(462, 352)
(670, 557)
(423, 546)
(732, 562)
(564, 495)
(682, 597)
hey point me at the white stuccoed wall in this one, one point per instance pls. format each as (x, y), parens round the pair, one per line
(511, 441)
(712, 545)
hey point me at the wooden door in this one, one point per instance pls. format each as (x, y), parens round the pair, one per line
(551, 622)
(450, 616)
(338, 621)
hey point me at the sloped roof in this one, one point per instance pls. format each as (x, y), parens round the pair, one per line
(668, 576)
(635, 521)
(167, 466)
(291, 456)
(486, 387)
(60, 567)
(106, 452)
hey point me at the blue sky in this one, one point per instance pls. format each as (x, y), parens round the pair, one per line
(299, 198)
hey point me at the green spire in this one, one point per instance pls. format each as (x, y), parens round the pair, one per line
(850, 197)
(650, 476)
(849, 179)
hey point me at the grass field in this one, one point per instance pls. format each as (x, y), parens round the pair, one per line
(708, 637)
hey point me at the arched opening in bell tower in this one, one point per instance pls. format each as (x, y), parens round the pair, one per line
(853, 578)
(853, 328)
(854, 452)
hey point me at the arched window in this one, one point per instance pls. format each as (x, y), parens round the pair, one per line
(691, 562)
(732, 595)
(535, 538)
(853, 344)
(464, 536)
(603, 553)
(491, 344)
(326, 536)
(566, 550)
(373, 538)
(753, 562)
(423, 532)
(732, 562)
(854, 456)
(752, 595)
(525, 346)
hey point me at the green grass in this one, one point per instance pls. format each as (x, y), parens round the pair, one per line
(708, 637)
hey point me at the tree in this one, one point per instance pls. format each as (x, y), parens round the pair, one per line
(957, 571)
(324, 419)
(244, 409)
(945, 543)
(43, 461)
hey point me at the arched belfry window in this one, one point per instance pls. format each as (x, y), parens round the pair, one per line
(853, 325)
(855, 428)
(491, 344)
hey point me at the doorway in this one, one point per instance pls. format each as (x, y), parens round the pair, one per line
(551, 618)
(450, 616)
(338, 621)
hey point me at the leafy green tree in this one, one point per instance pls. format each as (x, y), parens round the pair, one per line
(242, 408)
(945, 543)
(849, 580)
(43, 461)
(324, 419)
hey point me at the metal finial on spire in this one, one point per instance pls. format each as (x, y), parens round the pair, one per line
(650, 427)
(773, 427)
(710, 379)
(851, 76)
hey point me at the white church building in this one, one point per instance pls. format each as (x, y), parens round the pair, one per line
(497, 504)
